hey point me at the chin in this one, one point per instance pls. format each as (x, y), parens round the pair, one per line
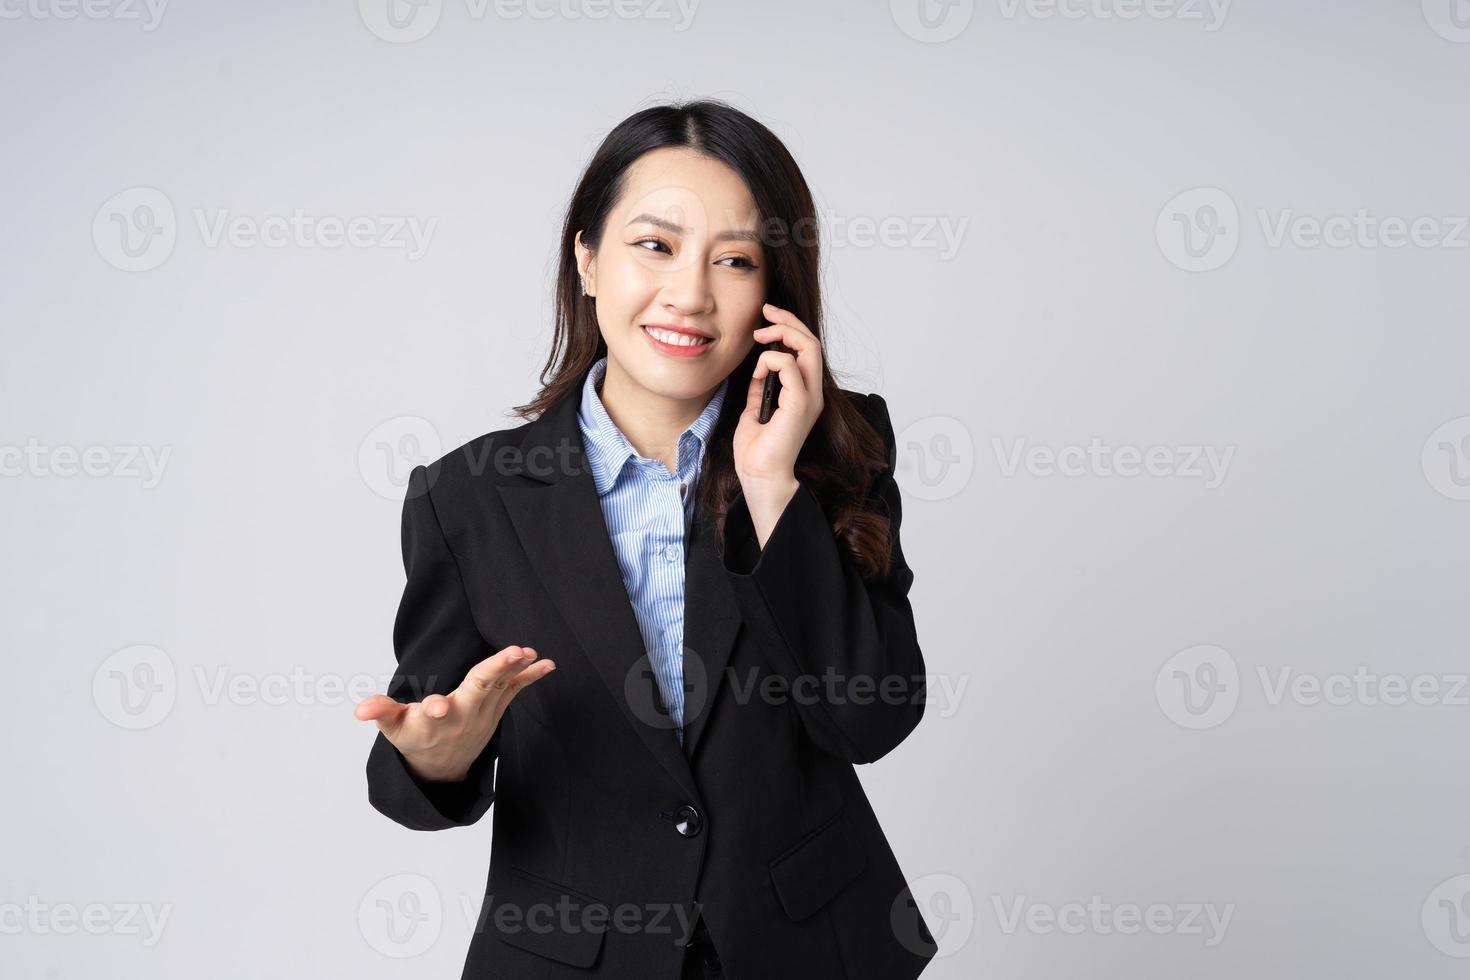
(672, 379)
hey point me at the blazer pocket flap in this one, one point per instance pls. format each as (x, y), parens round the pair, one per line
(543, 917)
(810, 874)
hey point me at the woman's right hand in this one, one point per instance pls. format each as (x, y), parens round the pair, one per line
(441, 736)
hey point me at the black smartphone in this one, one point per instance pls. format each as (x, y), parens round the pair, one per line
(770, 390)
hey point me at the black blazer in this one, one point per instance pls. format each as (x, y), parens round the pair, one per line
(604, 826)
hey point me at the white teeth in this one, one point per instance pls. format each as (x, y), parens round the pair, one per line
(676, 339)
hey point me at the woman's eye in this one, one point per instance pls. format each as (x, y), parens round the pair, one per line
(740, 258)
(654, 241)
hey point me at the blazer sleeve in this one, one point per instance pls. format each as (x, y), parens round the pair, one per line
(818, 618)
(436, 642)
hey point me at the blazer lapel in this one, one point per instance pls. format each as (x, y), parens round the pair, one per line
(559, 522)
(711, 620)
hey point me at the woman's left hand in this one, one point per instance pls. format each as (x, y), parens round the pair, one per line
(765, 455)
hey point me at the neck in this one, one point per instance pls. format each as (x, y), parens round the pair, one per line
(652, 423)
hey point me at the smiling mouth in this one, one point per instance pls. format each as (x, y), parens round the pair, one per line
(677, 339)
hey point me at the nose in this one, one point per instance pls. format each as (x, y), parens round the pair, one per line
(687, 288)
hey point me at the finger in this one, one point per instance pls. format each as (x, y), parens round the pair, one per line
(772, 360)
(783, 316)
(789, 337)
(435, 707)
(384, 712)
(490, 677)
(806, 348)
(793, 385)
(376, 706)
(530, 675)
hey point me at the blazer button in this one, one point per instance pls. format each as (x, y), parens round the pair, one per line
(687, 821)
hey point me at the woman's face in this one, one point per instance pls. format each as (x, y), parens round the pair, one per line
(680, 250)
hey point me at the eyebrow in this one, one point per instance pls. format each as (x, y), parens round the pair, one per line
(672, 228)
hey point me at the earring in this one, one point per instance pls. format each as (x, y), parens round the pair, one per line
(584, 284)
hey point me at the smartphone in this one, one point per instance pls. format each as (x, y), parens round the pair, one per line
(770, 391)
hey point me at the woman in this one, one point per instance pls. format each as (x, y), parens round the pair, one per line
(674, 627)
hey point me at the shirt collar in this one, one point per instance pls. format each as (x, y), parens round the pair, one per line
(609, 450)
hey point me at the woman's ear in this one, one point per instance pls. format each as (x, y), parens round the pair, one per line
(586, 267)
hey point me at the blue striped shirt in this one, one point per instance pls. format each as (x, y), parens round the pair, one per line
(648, 512)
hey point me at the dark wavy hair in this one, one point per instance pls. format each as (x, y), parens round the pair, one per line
(843, 453)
